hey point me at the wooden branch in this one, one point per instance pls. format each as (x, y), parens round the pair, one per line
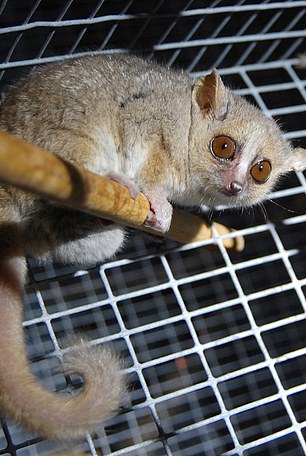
(33, 169)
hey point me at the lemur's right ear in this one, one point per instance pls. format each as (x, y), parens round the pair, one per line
(298, 159)
(211, 96)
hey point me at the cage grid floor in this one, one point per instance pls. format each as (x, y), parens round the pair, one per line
(213, 341)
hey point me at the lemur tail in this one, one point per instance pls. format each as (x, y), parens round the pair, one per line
(24, 399)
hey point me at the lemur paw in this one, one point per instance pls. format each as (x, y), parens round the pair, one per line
(128, 183)
(160, 215)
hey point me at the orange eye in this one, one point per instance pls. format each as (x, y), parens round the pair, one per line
(261, 171)
(223, 147)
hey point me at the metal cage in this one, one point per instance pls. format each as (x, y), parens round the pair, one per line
(214, 341)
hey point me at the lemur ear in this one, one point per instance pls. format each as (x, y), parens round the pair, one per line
(298, 159)
(211, 95)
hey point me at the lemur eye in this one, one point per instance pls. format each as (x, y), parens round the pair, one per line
(223, 147)
(261, 171)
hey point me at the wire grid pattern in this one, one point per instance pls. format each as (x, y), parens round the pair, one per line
(213, 341)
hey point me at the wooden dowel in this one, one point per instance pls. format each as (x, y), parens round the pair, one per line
(186, 227)
(33, 169)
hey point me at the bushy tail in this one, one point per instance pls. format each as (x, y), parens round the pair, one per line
(24, 399)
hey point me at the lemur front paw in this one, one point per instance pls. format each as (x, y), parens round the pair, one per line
(128, 183)
(160, 215)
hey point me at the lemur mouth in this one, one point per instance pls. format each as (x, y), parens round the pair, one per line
(228, 194)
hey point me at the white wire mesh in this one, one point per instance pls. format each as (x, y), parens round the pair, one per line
(213, 341)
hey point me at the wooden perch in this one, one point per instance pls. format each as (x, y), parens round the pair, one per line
(34, 169)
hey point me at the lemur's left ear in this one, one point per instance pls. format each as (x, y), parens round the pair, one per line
(298, 159)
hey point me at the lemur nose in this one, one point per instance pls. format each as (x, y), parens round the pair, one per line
(235, 187)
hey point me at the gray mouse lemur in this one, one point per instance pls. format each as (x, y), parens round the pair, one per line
(178, 140)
